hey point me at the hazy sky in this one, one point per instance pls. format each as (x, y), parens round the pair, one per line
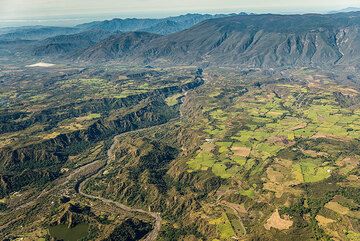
(11, 10)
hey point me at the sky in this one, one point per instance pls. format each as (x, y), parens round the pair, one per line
(20, 12)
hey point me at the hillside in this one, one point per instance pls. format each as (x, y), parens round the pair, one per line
(257, 40)
(189, 128)
(34, 32)
(118, 153)
(264, 40)
(117, 46)
(158, 26)
(238, 40)
(65, 44)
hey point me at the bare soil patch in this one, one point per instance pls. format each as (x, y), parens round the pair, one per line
(275, 221)
(241, 151)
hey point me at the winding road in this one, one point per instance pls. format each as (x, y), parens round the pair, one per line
(98, 169)
(111, 157)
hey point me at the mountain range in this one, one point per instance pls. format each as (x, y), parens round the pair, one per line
(346, 10)
(158, 26)
(265, 40)
(253, 40)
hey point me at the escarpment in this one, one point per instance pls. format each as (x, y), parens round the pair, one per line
(18, 121)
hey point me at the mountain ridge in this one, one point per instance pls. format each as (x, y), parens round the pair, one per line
(64, 44)
(152, 25)
(264, 40)
(117, 46)
(257, 40)
(346, 10)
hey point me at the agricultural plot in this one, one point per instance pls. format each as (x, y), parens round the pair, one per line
(228, 224)
(260, 124)
(224, 227)
(276, 142)
(255, 153)
(51, 106)
(336, 216)
(57, 129)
